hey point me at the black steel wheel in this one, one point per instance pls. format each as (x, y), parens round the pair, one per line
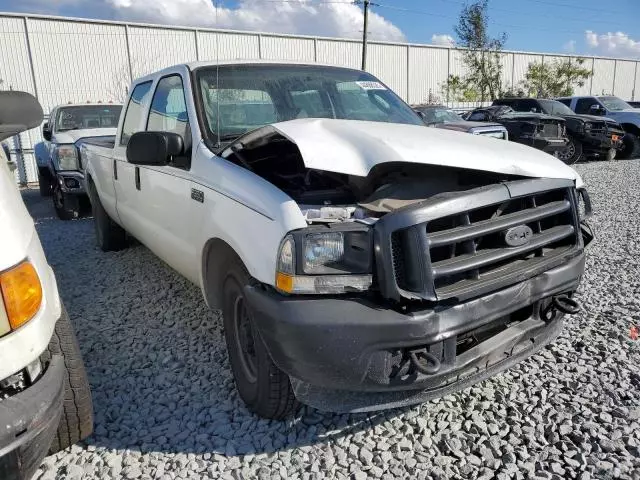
(572, 152)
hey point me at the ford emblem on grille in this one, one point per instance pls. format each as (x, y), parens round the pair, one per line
(517, 236)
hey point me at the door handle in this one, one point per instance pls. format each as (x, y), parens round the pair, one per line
(138, 178)
(115, 169)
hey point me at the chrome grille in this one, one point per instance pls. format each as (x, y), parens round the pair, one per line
(551, 129)
(464, 254)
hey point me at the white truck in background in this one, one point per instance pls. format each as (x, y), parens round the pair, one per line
(45, 401)
(361, 260)
(60, 169)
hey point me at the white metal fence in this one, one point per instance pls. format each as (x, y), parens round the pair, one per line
(64, 60)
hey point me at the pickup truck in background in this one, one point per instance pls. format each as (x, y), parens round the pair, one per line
(589, 135)
(439, 116)
(616, 109)
(361, 260)
(60, 170)
(45, 401)
(537, 130)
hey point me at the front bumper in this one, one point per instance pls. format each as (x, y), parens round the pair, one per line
(71, 182)
(550, 145)
(601, 143)
(345, 354)
(29, 422)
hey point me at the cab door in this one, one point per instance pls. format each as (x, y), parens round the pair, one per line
(170, 210)
(126, 175)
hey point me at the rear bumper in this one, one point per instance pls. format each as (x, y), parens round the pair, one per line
(347, 354)
(29, 422)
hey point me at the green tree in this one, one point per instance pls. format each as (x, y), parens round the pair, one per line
(459, 89)
(482, 52)
(557, 79)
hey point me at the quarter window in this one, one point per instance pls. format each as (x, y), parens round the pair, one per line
(168, 108)
(134, 113)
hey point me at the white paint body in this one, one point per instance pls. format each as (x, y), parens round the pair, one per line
(19, 241)
(252, 215)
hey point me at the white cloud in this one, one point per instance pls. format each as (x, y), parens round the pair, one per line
(442, 39)
(295, 16)
(570, 46)
(617, 44)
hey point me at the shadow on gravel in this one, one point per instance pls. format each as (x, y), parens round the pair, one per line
(156, 356)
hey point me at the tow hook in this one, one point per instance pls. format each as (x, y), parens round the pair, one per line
(561, 303)
(424, 362)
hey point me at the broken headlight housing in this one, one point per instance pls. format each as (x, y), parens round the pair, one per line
(325, 260)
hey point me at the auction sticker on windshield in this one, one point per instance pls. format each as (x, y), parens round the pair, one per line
(371, 85)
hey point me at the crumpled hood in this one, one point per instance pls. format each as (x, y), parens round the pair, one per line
(72, 136)
(465, 125)
(354, 147)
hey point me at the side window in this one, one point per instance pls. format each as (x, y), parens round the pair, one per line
(566, 101)
(478, 117)
(584, 104)
(168, 108)
(134, 112)
(527, 106)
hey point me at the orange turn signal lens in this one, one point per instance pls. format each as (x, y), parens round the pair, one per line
(284, 282)
(21, 292)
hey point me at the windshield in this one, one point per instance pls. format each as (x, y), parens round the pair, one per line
(614, 103)
(240, 98)
(88, 116)
(439, 115)
(553, 107)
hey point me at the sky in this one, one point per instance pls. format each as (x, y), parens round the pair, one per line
(562, 26)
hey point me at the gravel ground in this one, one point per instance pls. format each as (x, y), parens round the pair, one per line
(166, 407)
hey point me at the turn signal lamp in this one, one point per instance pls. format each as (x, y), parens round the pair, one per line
(21, 294)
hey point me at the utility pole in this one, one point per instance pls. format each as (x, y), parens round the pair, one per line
(364, 34)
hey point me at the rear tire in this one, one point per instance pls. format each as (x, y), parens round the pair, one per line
(572, 152)
(67, 205)
(76, 422)
(109, 235)
(264, 388)
(630, 148)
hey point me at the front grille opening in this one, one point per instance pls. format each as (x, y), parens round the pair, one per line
(397, 255)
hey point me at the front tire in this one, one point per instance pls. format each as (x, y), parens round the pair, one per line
(264, 388)
(572, 152)
(76, 422)
(630, 146)
(45, 182)
(67, 205)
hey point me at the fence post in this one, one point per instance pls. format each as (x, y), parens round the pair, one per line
(260, 46)
(408, 72)
(615, 68)
(195, 34)
(513, 72)
(31, 67)
(126, 37)
(315, 49)
(593, 62)
(635, 77)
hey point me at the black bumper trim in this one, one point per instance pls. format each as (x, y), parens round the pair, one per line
(30, 420)
(344, 343)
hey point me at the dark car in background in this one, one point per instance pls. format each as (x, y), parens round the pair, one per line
(439, 116)
(538, 130)
(589, 136)
(634, 103)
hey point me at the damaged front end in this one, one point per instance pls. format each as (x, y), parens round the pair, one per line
(415, 280)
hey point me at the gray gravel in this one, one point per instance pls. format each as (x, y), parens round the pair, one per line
(166, 407)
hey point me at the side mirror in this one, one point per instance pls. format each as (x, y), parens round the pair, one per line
(154, 148)
(46, 131)
(596, 109)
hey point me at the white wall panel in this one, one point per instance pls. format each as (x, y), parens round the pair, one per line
(506, 59)
(233, 46)
(602, 76)
(287, 48)
(586, 88)
(427, 74)
(456, 63)
(521, 65)
(156, 48)
(78, 62)
(624, 85)
(342, 53)
(15, 70)
(389, 64)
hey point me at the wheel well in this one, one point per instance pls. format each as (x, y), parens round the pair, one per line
(630, 128)
(215, 254)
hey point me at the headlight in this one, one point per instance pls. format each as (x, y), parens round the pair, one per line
(67, 157)
(321, 261)
(21, 296)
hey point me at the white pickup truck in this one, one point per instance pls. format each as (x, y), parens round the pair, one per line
(45, 402)
(60, 169)
(361, 260)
